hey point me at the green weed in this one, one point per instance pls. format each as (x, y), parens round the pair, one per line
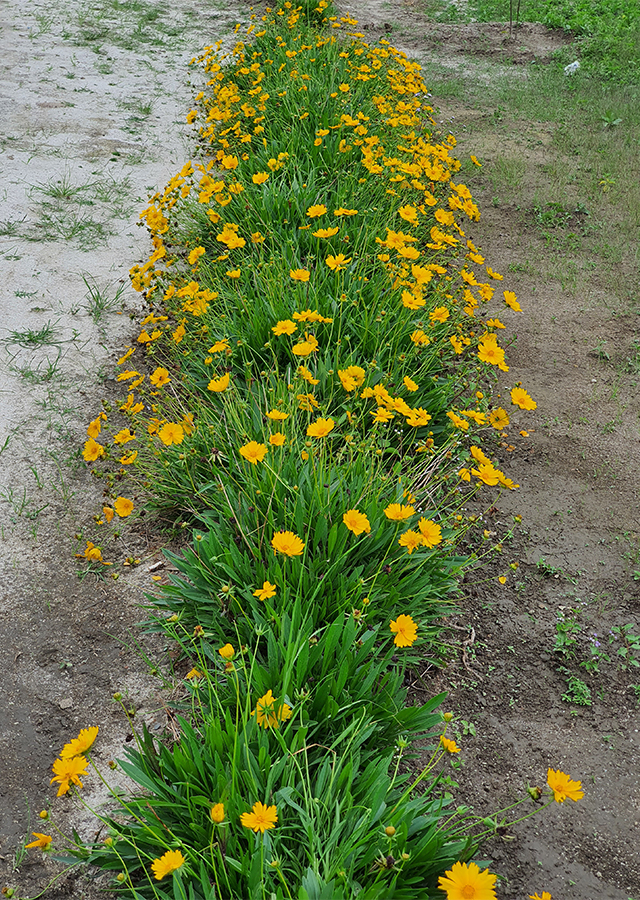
(100, 301)
(31, 338)
(577, 692)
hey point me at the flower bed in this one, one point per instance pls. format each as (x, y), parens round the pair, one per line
(306, 396)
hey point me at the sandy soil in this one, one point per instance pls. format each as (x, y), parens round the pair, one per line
(94, 98)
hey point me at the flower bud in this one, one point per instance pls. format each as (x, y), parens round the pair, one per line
(389, 831)
(534, 792)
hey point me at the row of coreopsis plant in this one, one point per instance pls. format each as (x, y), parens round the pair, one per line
(318, 355)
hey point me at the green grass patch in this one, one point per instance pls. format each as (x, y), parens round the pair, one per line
(607, 32)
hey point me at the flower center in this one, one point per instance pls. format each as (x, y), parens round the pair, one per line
(468, 892)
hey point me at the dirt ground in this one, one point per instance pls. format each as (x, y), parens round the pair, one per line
(91, 101)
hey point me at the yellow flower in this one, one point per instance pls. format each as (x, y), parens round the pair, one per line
(490, 352)
(193, 674)
(92, 450)
(381, 415)
(411, 540)
(257, 238)
(123, 506)
(563, 787)
(229, 162)
(439, 314)
(195, 255)
(356, 522)
(81, 744)
(123, 437)
(93, 554)
(345, 212)
(260, 177)
(487, 474)
(519, 397)
(285, 326)
(126, 356)
(254, 452)
(261, 818)
(129, 458)
(266, 591)
(449, 746)
(320, 428)
(288, 543)
(413, 300)
(277, 439)
(409, 214)
(545, 896)
(318, 210)
(397, 512)
(233, 273)
(457, 421)
(227, 652)
(326, 232)
(511, 300)
(219, 384)
(418, 417)
(352, 377)
(171, 433)
(495, 323)
(93, 428)
(420, 338)
(303, 372)
(169, 862)
(405, 630)
(108, 513)
(268, 714)
(217, 810)
(475, 161)
(299, 274)
(160, 377)
(431, 532)
(277, 416)
(41, 840)
(219, 346)
(307, 402)
(498, 418)
(337, 263)
(68, 772)
(306, 347)
(464, 880)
